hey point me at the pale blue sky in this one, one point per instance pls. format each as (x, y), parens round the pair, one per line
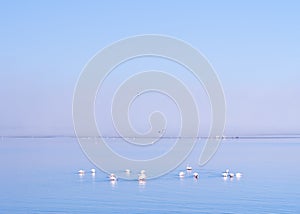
(254, 47)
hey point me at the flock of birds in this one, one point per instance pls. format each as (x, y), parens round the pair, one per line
(142, 175)
(227, 174)
(189, 169)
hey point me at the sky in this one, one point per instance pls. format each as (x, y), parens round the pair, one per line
(253, 46)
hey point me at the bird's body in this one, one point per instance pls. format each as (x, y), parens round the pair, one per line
(181, 174)
(196, 175)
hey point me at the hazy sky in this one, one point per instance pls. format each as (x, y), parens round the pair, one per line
(254, 47)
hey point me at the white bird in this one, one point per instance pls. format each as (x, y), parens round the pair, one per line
(142, 177)
(226, 173)
(93, 171)
(231, 175)
(81, 172)
(238, 175)
(181, 174)
(196, 175)
(189, 168)
(127, 171)
(112, 177)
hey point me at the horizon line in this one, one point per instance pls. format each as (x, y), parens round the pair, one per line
(257, 136)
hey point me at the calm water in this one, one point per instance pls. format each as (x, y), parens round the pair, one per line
(39, 176)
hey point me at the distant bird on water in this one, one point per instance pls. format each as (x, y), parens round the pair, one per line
(112, 177)
(81, 172)
(181, 174)
(196, 175)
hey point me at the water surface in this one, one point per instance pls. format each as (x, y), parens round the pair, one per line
(38, 175)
